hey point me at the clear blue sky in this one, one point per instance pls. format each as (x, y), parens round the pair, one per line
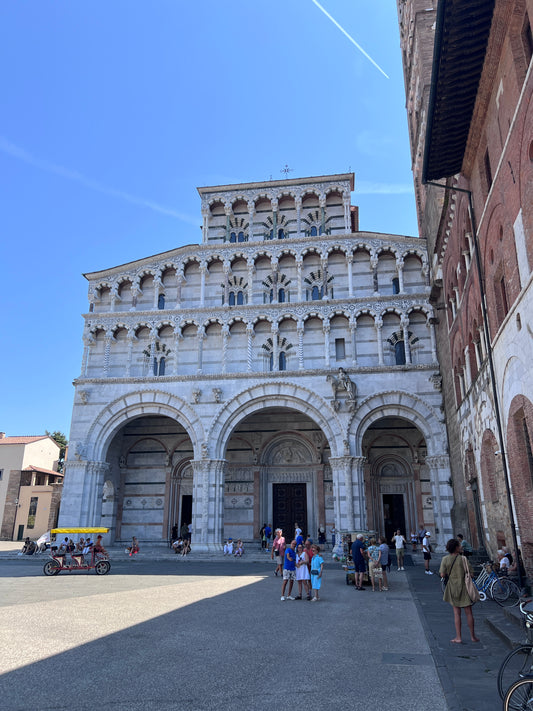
(112, 113)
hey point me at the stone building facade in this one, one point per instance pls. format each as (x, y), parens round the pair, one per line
(284, 370)
(473, 134)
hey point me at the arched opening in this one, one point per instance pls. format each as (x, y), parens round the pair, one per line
(396, 477)
(277, 472)
(143, 456)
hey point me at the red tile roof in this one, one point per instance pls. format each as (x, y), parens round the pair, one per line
(22, 440)
(41, 470)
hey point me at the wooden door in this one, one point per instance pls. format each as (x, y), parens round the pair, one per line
(289, 507)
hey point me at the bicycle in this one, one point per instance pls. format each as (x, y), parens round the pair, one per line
(518, 664)
(501, 590)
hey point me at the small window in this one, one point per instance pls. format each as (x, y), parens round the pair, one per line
(155, 366)
(91, 308)
(271, 295)
(281, 234)
(162, 366)
(232, 298)
(340, 349)
(281, 296)
(240, 298)
(1, 474)
(241, 237)
(161, 301)
(313, 232)
(32, 512)
(316, 293)
(395, 285)
(282, 361)
(233, 237)
(399, 352)
(271, 362)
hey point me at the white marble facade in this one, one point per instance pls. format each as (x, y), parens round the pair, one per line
(286, 355)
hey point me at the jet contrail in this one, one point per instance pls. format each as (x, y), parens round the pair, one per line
(326, 13)
(16, 152)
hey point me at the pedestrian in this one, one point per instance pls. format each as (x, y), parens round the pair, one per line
(184, 531)
(321, 534)
(303, 577)
(466, 548)
(239, 550)
(189, 532)
(289, 570)
(268, 534)
(278, 551)
(504, 561)
(420, 535)
(399, 543)
(262, 534)
(414, 540)
(358, 557)
(297, 531)
(375, 571)
(134, 548)
(384, 560)
(426, 548)
(174, 534)
(317, 566)
(228, 547)
(452, 569)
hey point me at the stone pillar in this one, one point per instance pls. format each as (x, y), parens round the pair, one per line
(431, 328)
(349, 263)
(274, 262)
(249, 349)
(404, 322)
(439, 474)
(322, 203)
(203, 270)
(180, 278)
(324, 268)
(177, 336)
(114, 298)
(326, 330)
(300, 332)
(208, 504)
(375, 282)
(129, 355)
(379, 326)
(205, 223)
(353, 332)
(399, 267)
(299, 267)
(135, 291)
(341, 470)
(298, 206)
(201, 336)
(228, 211)
(251, 271)
(358, 478)
(482, 342)
(251, 213)
(158, 285)
(88, 340)
(274, 203)
(82, 493)
(468, 372)
(275, 346)
(225, 339)
(107, 352)
(346, 205)
(226, 267)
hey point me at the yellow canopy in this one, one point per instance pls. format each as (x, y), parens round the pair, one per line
(55, 531)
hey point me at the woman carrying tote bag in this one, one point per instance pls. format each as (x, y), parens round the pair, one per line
(456, 592)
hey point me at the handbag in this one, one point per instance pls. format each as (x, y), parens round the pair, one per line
(471, 588)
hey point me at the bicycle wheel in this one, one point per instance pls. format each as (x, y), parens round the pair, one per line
(520, 696)
(515, 666)
(505, 592)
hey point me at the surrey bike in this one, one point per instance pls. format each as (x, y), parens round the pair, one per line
(518, 664)
(68, 562)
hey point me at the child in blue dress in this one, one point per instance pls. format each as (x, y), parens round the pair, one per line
(317, 565)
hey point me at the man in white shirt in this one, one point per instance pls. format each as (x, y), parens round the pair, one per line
(426, 548)
(399, 542)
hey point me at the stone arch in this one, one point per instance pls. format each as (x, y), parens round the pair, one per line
(143, 402)
(398, 403)
(275, 394)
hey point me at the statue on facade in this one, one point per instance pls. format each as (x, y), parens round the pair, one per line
(344, 385)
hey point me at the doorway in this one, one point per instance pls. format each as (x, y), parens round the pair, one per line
(393, 514)
(186, 509)
(289, 505)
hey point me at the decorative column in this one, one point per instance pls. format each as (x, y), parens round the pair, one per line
(203, 270)
(482, 342)
(251, 213)
(442, 495)
(324, 268)
(468, 371)
(326, 330)
(225, 339)
(205, 223)
(358, 479)
(346, 206)
(353, 334)
(82, 505)
(298, 206)
(107, 352)
(226, 267)
(201, 336)
(399, 267)
(129, 356)
(375, 283)
(299, 266)
(431, 327)
(249, 346)
(274, 203)
(153, 337)
(300, 332)
(250, 263)
(177, 336)
(275, 346)
(349, 263)
(158, 285)
(114, 297)
(341, 470)
(228, 211)
(88, 340)
(379, 325)
(322, 203)
(180, 278)
(404, 322)
(208, 504)
(274, 263)
(135, 291)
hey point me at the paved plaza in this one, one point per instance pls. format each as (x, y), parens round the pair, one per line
(174, 634)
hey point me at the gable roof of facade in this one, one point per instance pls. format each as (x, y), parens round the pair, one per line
(461, 37)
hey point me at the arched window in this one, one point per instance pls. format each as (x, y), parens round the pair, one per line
(241, 237)
(232, 298)
(395, 285)
(271, 234)
(162, 366)
(233, 237)
(240, 298)
(314, 232)
(281, 233)
(161, 301)
(271, 362)
(155, 366)
(271, 295)
(281, 296)
(316, 293)
(399, 352)
(282, 361)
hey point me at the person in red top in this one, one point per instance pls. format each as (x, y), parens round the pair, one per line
(278, 551)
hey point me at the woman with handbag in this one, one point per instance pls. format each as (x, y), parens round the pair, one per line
(454, 568)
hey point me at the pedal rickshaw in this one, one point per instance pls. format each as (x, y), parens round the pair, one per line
(344, 552)
(75, 560)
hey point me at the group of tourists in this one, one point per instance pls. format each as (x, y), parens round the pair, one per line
(298, 562)
(377, 555)
(236, 549)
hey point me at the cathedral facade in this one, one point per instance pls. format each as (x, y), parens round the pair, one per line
(284, 370)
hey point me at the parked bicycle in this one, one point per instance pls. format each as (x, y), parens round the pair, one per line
(518, 664)
(500, 589)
